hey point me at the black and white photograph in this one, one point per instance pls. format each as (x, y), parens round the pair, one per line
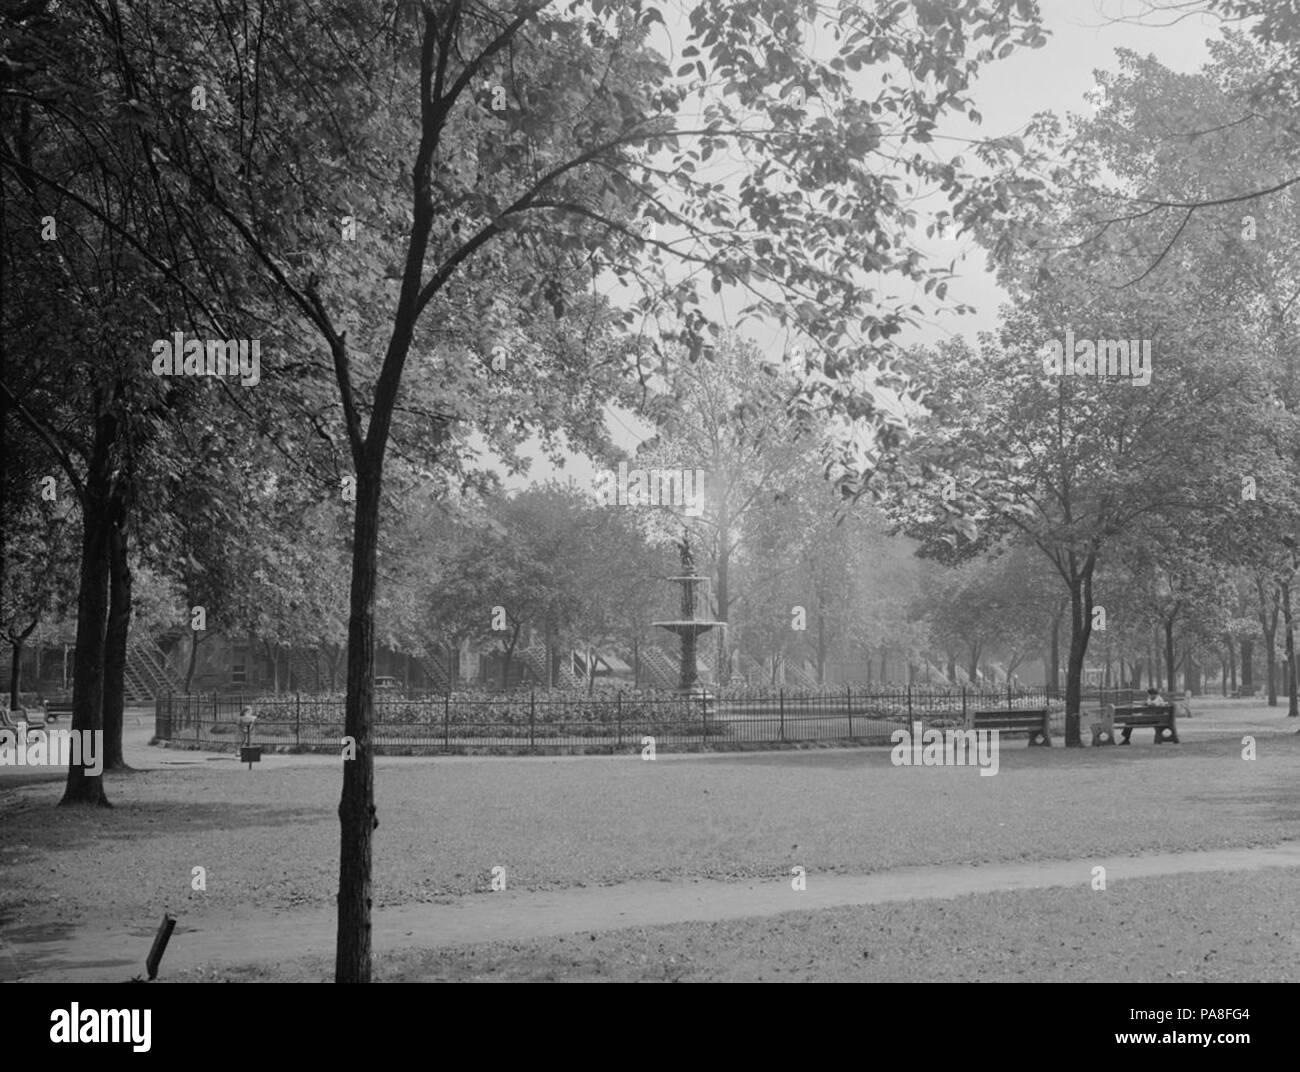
(664, 491)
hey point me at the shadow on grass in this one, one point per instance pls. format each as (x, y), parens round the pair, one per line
(1014, 753)
(1278, 802)
(59, 830)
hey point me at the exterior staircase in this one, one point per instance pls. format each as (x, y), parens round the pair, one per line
(534, 658)
(304, 672)
(435, 667)
(800, 676)
(148, 675)
(658, 669)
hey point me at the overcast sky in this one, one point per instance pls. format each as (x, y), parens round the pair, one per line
(1084, 35)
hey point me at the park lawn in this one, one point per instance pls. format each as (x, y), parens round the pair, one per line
(268, 839)
(1225, 927)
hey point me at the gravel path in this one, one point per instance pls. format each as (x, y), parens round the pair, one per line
(84, 953)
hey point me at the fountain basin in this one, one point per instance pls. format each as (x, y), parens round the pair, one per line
(684, 626)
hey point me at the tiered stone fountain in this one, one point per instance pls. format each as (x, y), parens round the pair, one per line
(688, 627)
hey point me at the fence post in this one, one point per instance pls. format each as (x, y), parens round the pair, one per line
(783, 714)
(965, 718)
(909, 703)
(446, 720)
(848, 699)
(618, 716)
(532, 719)
(704, 714)
(297, 720)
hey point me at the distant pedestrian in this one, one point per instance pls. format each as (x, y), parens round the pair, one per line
(1153, 700)
(246, 720)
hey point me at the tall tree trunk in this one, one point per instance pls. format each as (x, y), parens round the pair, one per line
(92, 608)
(1247, 663)
(1268, 623)
(1293, 704)
(116, 639)
(973, 666)
(196, 636)
(821, 647)
(1054, 662)
(1171, 665)
(357, 816)
(509, 653)
(1080, 633)
(1074, 684)
(1230, 685)
(884, 655)
(17, 641)
(723, 592)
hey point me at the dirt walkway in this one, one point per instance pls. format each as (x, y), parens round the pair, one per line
(115, 953)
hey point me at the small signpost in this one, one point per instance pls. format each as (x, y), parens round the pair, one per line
(247, 753)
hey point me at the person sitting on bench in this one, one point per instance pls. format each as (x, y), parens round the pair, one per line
(1153, 699)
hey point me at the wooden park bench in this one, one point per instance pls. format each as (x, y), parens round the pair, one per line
(1244, 692)
(33, 716)
(1033, 721)
(1130, 717)
(54, 711)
